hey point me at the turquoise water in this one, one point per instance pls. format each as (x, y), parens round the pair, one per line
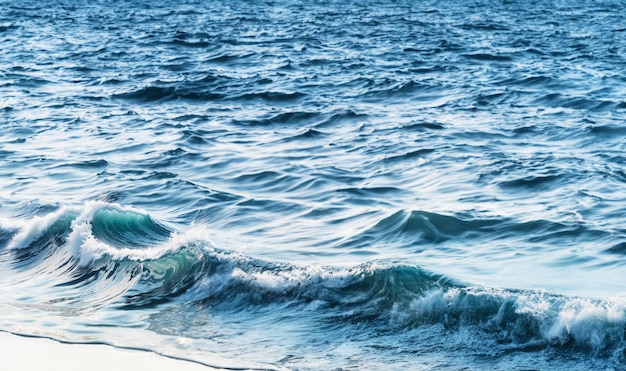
(317, 185)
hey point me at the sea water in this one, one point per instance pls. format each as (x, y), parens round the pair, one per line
(317, 184)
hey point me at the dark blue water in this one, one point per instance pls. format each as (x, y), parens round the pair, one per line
(318, 184)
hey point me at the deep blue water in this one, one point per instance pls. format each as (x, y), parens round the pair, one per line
(317, 184)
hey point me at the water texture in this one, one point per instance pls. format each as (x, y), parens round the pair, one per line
(317, 184)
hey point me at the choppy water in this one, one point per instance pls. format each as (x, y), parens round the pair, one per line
(317, 185)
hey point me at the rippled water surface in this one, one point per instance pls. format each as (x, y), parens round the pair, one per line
(317, 185)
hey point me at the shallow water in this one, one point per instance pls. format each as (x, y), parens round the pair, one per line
(321, 185)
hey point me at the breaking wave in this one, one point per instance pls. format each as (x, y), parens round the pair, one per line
(83, 259)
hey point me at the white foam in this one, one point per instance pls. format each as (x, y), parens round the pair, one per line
(81, 241)
(34, 228)
(590, 323)
(587, 322)
(88, 248)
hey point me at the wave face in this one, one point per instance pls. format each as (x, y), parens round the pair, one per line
(359, 184)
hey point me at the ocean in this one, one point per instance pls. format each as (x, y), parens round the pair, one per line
(317, 185)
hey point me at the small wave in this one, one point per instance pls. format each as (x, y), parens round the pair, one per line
(367, 192)
(91, 231)
(577, 103)
(419, 227)
(226, 57)
(25, 232)
(149, 94)
(192, 40)
(423, 126)
(195, 137)
(56, 255)
(156, 93)
(531, 181)
(408, 297)
(88, 164)
(291, 118)
(272, 96)
(8, 27)
(342, 116)
(308, 134)
(25, 81)
(607, 130)
(412, 228)
(207, 88)
(484, 26)
(488, 57)
(391, 89)
(522, 318)
(619, 249)
(418, 153)
(81, 259)
(531, 81)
